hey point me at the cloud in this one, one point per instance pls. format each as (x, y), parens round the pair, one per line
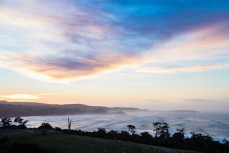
(200, 50)
(203, 44)
(66, 67)
(174, 69)
(66, 40)
(154, 101)
(199, 101)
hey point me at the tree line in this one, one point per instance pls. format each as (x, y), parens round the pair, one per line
(162, 136)
(17, 123)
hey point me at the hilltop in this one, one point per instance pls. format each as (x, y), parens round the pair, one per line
(14, 109)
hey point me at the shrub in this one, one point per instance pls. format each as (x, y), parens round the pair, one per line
(45, 126)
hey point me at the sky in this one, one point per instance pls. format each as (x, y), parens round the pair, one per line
(154, 54)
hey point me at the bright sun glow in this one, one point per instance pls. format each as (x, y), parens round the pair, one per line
(20, 97)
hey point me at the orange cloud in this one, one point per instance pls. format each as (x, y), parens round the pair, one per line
(66, 69)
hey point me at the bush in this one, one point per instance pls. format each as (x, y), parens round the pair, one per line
(58, 129)
(45, 126)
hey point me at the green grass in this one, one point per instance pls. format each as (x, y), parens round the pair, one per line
(77, 144)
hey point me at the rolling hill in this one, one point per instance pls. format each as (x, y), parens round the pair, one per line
(22, 109)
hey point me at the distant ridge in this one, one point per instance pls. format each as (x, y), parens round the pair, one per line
(22, 109)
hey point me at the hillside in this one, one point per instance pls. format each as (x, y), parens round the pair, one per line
(78, 144)
(14, 109)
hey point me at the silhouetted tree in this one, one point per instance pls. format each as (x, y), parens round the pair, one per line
(225, 142)
(102, 130)
(125, 133)
(69, 124)
(113, 134)
(200, 137)
(131, 129)
(101, 133)
(21, 122)
(179, 135)
(45, 126)
(146, 135)
(161, 129)
(58, 129)
(6, 122)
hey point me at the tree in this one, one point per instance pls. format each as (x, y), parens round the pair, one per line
(113, 134)
(21, 122)
(125, 135)
(226, 142)
(179, 135)
(69, 124)
(146, 135)
(200, 137)
(101, 131)
(6, 122)
(161, 129)
(131, 129)
(45, 126)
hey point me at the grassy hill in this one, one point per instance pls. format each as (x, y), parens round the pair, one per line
(76, 144)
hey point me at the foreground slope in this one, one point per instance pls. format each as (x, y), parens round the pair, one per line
(77, 144)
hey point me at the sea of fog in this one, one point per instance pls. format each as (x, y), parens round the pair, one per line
(213, 124)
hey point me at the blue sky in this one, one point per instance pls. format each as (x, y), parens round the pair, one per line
(147, 53)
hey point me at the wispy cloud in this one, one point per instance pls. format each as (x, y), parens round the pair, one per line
(200, 101)
(66, 40)
(174, 69)
(200, 50)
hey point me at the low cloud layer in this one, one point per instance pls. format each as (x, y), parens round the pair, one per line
(72, 39)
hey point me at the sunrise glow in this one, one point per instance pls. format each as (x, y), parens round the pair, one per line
(146, 54)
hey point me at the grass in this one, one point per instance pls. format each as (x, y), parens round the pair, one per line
(77, 144)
